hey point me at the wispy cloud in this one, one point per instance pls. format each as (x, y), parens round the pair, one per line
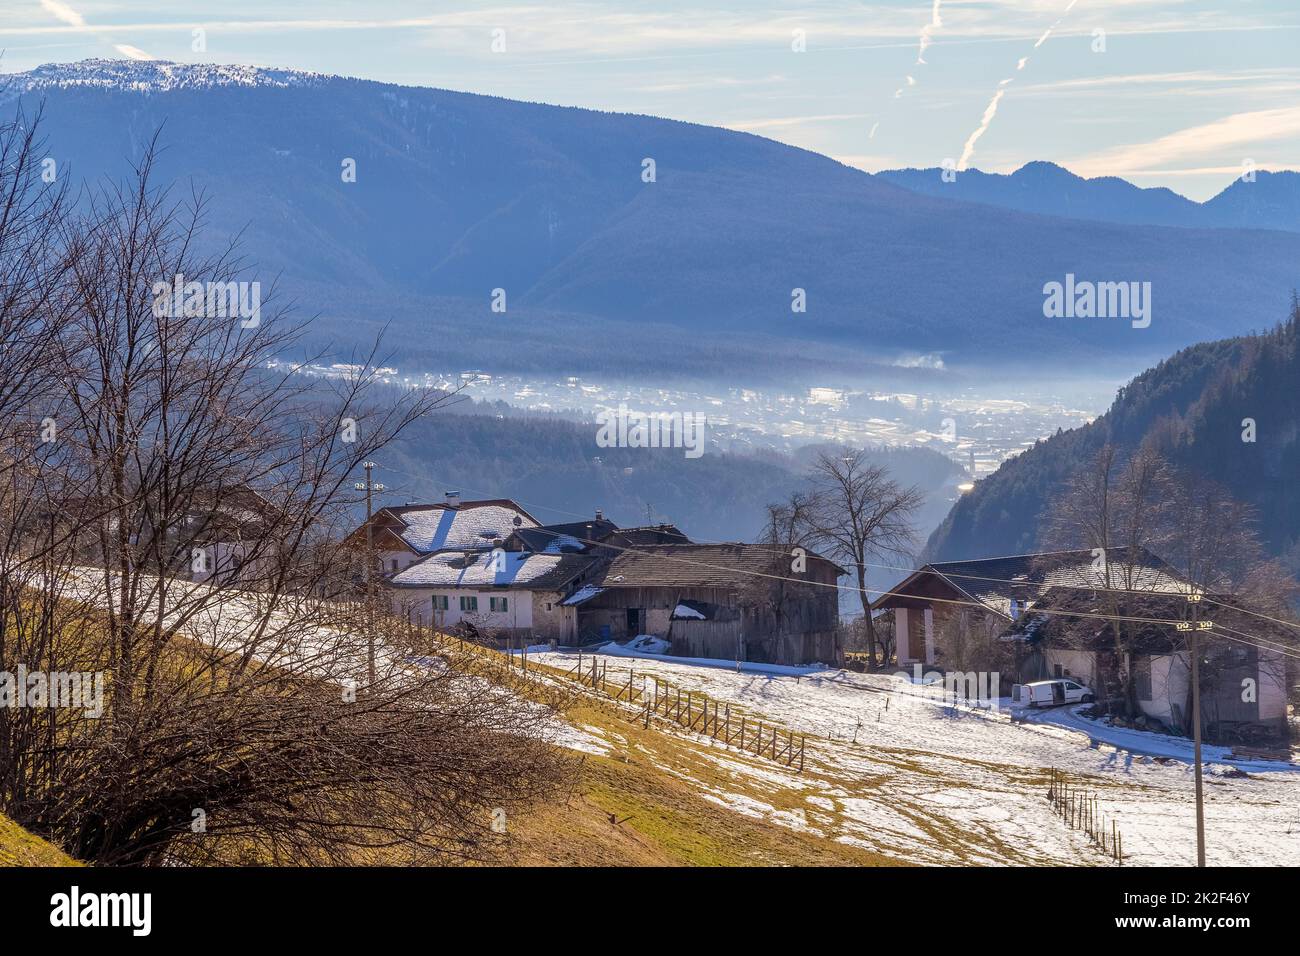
(63, 12)
(709, 82)
(1240, 131)
(927, 31)
(778, 122)
(132, 52)
(66, 14)
(1253, 81)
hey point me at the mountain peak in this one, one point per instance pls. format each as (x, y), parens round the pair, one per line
(1042, 169)
(155, 76)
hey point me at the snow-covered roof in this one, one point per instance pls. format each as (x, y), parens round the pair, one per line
(1009, 585)
(562, 543)
(469, 526)
(571, 536)
(509, 569)
(582, 595)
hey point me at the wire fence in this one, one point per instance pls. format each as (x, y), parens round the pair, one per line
(1081, 810)
(691, 710)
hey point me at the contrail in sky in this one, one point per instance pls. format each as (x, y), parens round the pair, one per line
(991, 110)
(928, 30)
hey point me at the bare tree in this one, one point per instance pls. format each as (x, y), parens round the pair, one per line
(239, 722)
(778, 594)
(1139, 515)
(858, 515)
(1116, 507)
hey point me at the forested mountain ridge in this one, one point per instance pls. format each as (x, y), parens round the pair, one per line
(1200, 408)
(382, 204)
(1265, 200)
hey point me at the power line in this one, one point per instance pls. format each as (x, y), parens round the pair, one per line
(1246, 610)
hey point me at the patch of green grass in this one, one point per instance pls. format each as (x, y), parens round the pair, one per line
(20, 848)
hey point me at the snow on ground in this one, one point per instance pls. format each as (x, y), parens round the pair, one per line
(657, 650)
(905, 775)
(890, 770)
(290, 636)
(640, 646)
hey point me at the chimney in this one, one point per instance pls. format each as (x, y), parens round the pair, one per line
(453, 499)
(600, 515)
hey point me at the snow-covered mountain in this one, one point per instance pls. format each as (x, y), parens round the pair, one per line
(153, 76)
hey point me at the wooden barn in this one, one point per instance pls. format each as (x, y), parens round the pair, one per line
(729, 601)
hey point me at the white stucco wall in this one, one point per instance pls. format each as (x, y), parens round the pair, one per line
(518, 615)
(902, 648)
(1080, 665)
(1170, 683)
(404, 560)
(1272, 685)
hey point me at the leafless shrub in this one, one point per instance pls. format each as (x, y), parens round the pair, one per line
(240, 721)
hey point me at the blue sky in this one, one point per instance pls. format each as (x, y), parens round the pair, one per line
(1182, 94)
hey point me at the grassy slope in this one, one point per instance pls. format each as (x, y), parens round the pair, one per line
(660, 819)
(643, 804)
(20, 848)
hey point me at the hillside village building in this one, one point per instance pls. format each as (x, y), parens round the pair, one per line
(1051, 612)
(491, 567)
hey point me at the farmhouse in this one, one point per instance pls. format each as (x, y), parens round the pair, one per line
(958, 597)
(225, 533)
(514, 586)
(407, 533)
(730, 601)
(1049, 614)
(1243, 664)
(217, 537)
(501, 594)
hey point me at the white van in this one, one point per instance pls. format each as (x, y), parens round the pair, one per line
(1053, 693)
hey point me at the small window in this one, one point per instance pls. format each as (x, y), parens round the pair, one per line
(548, 606)
(469, 603)
(440, 602)
(394, 564)
(498, 604)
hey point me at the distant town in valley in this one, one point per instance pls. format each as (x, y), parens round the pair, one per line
(977, 431)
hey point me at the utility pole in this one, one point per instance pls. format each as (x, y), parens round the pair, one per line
(1194, 598)
(369, 487)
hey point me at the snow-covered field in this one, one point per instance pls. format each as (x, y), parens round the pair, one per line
(912, 778)
(889, 770)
